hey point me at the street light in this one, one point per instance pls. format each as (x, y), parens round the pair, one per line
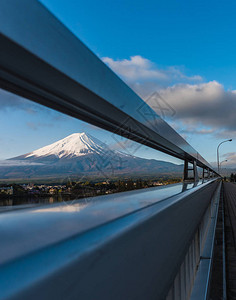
(230, 140)
(222, 163)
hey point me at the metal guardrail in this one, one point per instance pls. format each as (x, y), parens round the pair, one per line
(193, 279)
(42, 60)
(151, 249)
(137, 255)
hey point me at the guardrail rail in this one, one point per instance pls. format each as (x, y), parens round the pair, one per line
(135, 245)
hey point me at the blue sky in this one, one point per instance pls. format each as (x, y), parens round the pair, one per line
(198, 35)
(184, 50)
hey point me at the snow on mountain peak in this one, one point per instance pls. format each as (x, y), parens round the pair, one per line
(76, 144)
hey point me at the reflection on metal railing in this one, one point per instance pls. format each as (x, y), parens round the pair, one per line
(145, 251)
(138, 253)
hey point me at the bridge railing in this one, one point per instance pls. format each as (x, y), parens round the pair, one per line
(110, 248)
(152, 252)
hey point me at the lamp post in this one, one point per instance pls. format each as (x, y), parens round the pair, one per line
(218, 163)
(222, 163)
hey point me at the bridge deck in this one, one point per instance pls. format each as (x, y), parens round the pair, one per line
(230, 237)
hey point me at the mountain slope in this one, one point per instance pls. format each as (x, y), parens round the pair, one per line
(80, 154)
(74, 145)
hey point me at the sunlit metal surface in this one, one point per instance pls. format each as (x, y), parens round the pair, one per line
(35, 227)
(42, 60)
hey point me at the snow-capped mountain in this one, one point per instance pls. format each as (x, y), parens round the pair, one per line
(74, 145)
(81, 154)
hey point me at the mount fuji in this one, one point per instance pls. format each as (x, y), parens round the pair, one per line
(78, 155)
(74, 145)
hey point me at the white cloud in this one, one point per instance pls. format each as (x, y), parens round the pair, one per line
(136, 68)
(207, 105)
(231, 160)
(140, 69)
(18, 163)
(176, 73)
